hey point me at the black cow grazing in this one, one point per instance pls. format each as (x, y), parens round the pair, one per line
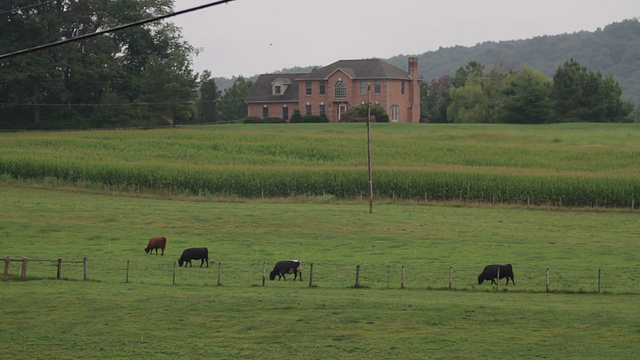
(490, 272)
(201, 254)
(156, 243)
(286, 267)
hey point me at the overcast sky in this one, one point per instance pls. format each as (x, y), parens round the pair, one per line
(249, 37)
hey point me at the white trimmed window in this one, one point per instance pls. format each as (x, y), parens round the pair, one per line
(340, 90)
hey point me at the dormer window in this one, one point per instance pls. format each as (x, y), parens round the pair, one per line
(279, 86)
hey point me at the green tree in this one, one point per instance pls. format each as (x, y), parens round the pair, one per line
(435, 97)
(167, 82)
(208, 101)
(473, 68)
(232, 106)
(143, 72)
(525, 98)
(587, 96)
(475, 101)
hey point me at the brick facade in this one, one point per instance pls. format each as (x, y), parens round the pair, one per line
(345, 83)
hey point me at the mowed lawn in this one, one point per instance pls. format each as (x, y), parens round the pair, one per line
(148, 317)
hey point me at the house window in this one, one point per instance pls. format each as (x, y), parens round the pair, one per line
(340, 90)
(323, 85)
(265, 112)
(395, 113)
(285, 113)
(402, 87)
(277, 90)
(363, 88)
(376, 86)
(308, 87)
(322, 110)
(308, 109)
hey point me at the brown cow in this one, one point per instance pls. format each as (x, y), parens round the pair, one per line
(156, 243)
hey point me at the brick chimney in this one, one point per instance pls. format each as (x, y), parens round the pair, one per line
(414, 91)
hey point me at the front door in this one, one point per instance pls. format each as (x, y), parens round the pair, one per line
(342, 108)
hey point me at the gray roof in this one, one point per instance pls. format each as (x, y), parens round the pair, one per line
(261, 91)
(359, 69)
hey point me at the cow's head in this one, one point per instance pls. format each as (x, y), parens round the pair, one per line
(147, 250)
(480, 280)
(180, 262)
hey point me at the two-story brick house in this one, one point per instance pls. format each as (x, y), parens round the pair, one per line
(333, 89)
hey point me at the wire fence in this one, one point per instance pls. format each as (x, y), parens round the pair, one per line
(569, 279)
(45, 268)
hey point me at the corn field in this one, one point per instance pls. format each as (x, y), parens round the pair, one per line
(251, 162)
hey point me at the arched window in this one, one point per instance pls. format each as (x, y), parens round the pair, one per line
(340, 90)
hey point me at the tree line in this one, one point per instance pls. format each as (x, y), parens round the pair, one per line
(528, 96)
(139, 76)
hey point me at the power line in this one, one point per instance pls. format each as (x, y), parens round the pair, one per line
(117, 28)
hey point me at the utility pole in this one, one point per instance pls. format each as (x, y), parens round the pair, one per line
(369, 148)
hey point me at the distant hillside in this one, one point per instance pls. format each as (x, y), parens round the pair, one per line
(614, 50)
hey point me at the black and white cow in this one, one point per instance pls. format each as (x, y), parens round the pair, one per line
(201, 254)
(286, 267)
(490, 272)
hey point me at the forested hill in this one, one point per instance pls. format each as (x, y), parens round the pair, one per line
(614, 50)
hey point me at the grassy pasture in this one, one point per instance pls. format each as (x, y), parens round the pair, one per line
(564, 164)
(150, 318)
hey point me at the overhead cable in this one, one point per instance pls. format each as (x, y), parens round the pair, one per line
(102, 32)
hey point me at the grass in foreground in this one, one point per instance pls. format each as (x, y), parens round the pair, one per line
(149, 318)
(71, 320)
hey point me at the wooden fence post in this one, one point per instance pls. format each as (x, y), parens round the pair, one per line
(6, 268)
(219, 273)
(402, 278)
(547, 279)
(23, 276)
(264, 273)
(357, 285)
(126, 278)
(388, 275)
(59, 273)
(174, 273)
(84, 263)
(498, 280)
(450, 277)
(599, 280)
(311, 275)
